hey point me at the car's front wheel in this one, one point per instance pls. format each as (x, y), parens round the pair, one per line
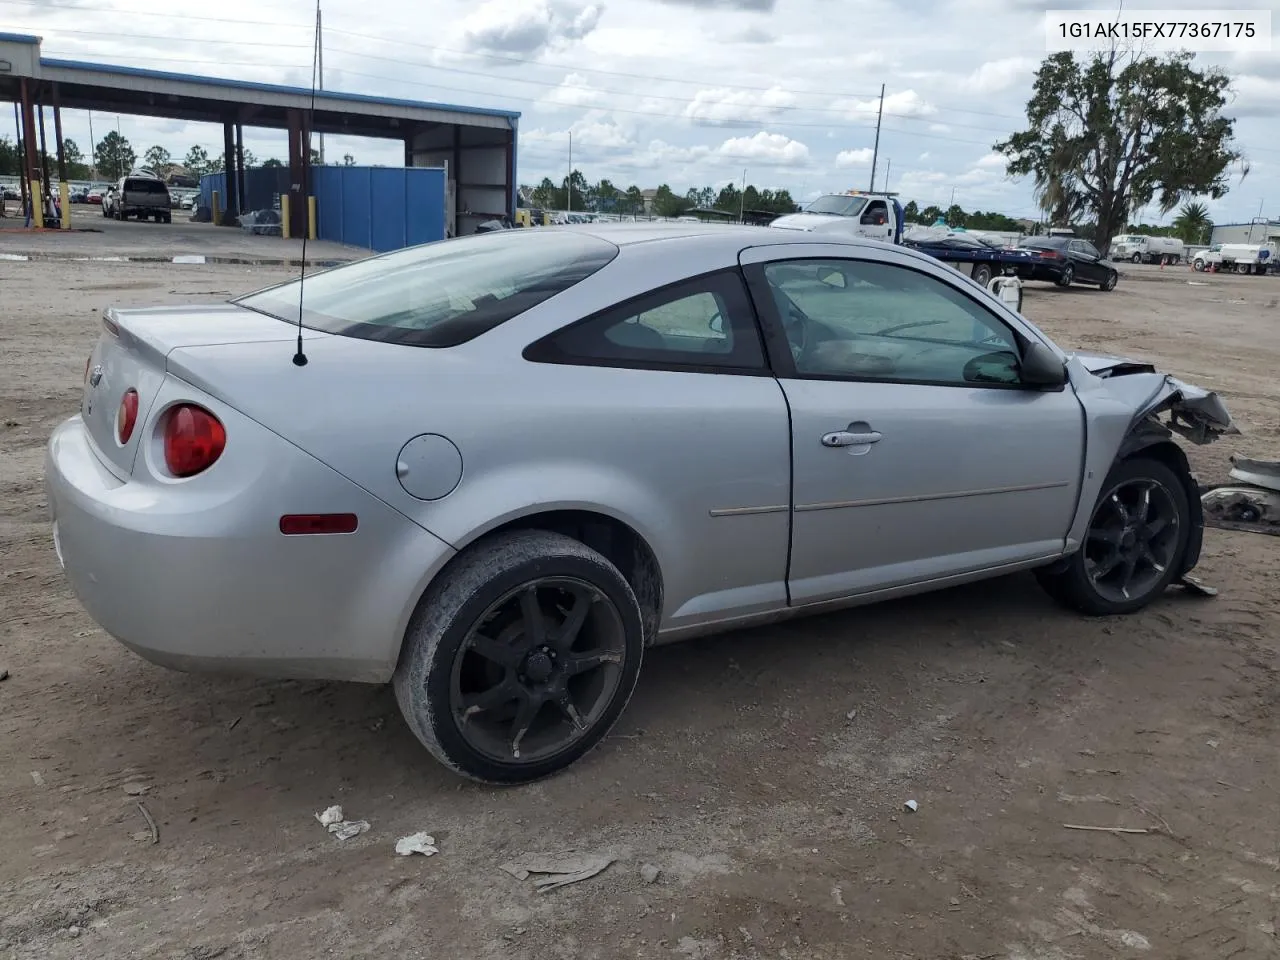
(1109, 284)
(520, 657)
(1133, 545)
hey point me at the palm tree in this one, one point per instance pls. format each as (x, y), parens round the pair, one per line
(1192, 224)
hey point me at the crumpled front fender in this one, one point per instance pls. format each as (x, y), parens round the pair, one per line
(1124, 401)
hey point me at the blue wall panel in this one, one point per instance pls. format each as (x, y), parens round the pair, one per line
(380, 208)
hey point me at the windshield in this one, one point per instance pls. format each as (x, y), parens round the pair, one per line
(439, 294)
(145, 186)
(837, 205)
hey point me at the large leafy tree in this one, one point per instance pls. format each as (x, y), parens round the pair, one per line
(157, 158)
(114, 156)
(1110, 134)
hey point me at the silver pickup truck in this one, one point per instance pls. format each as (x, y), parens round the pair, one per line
(141, 197)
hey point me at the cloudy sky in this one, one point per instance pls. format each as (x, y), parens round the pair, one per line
(686, 92)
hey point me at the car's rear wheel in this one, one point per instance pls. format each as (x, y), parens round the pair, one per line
(1067, 276)
(520, 657)
(982, 274)
(1136, 258)
(1133, 545)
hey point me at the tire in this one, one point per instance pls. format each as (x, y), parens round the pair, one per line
(1136, 258)
(1109, 284)
(439, 657)
(982, 274)
(1197, 265)
(168, 218)
(1243, 268)
(1077, 584)
(1068, 275)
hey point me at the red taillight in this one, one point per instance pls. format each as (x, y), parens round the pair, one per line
(193, 439)
(127, 415)
(302, 523)
(1049, 254)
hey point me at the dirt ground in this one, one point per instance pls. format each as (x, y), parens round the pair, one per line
(763, 772)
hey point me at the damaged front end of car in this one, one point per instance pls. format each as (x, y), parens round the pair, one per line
(1133, 408)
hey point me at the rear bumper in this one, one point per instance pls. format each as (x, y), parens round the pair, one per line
(196, 575)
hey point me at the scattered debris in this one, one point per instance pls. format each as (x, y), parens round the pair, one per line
(837, 896)
(1076, 826)
(332, 820)
(912, 806)
(232, 725)
(852, 714)
(73, 931)
(4, 673)
(151, 823)
(557, 871)
(649, 873)
(37, 777)
(422, 843)
(136, 789)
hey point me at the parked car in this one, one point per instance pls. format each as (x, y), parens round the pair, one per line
(1066, 260)
(667, 430)
(144, 197)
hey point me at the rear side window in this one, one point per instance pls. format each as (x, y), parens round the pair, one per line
(439, 294)
(145, 186)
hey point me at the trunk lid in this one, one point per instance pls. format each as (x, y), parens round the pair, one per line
(132, 354)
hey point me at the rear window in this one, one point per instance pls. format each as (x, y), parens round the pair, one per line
(439, 294)
(145, 186)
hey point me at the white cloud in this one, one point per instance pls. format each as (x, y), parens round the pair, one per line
(855, 158)
(992, 161)
(725, 107)
(1252, 96)
(524, 27)
(995, 76)
(600, 132)
(574, 91)
(767, 148)
(924, 156)
(904, 103)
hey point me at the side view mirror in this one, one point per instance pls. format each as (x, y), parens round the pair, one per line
(1041, 367)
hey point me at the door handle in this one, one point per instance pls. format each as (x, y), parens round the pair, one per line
(843, 438)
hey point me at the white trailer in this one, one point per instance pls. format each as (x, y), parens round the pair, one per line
(1244, 258)
(1140, 248)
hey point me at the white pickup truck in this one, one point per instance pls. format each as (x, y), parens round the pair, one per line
(1239, 257)
(878, 216)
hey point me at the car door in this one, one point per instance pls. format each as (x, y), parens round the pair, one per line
(1086, 258)
(876, 221)
(917, 453)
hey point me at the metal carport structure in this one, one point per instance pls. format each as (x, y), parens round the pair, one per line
(476, 146)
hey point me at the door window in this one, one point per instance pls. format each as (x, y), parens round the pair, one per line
(876, 214)
(703, 322)
(853, 319)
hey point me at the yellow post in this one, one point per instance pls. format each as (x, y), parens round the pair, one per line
(311, 218)
(64, 193)
(217, 209)
(284, 215)
(35, 194)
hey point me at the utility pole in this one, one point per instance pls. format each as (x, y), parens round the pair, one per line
(93, 150)
(742, 197)
(568, 193)
(888, 166)
(320, 58)
(875, 154)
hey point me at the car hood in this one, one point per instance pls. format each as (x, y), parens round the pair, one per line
(811, 221)
(1195, 413)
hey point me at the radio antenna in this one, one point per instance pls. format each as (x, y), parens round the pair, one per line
(300, 358)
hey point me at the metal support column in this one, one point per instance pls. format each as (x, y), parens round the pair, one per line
(240, 190)
(298, 178)
(31, 171)
(46, 193)
(230, 202)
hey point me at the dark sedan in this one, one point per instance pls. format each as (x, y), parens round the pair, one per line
(1068, 260)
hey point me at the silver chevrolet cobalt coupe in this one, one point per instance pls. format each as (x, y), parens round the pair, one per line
(492, 470)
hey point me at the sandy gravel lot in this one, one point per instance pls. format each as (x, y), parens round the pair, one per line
(763, 772)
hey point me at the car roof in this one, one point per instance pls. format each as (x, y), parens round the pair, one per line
(730, 238)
